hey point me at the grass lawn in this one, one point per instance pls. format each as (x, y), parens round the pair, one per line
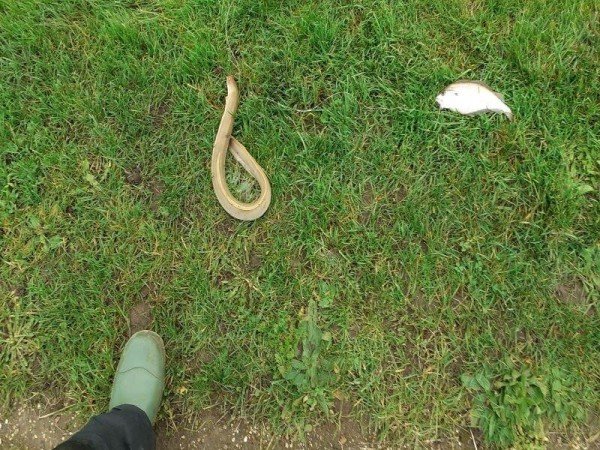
(429, 271)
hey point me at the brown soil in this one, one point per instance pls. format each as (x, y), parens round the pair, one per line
(140, 317)
(36, 427)
(134, 176)
(45, 426)
(572, 292)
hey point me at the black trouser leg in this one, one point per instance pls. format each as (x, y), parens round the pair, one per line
(125, 427)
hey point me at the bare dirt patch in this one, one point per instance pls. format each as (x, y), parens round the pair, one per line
(227, 226)
(573, 292)
(211, 430)
(254, 263)
(45, 426)
(134, 176)
(344, 433)
(36, 427)
(140, 316)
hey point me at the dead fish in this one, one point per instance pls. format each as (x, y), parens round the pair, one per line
(472, 97)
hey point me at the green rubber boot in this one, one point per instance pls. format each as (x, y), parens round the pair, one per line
(140, 377)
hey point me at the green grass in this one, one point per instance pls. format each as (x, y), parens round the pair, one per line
(405, 250)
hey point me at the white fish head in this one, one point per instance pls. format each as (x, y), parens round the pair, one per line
(449, 99)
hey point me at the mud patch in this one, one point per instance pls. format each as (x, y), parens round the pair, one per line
(347, 434)
(219, 431)
(344, 433)
(211, 430)
(399, 194)
(573, 293)
(226, 226)
(140, 317)
(147, 290)
(19, 291)
(134, 176)
(254, 263)
(36, 426)
(223, 278)
(470, 438)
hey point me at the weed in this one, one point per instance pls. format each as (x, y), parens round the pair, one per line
(309, 374)
(512, 405)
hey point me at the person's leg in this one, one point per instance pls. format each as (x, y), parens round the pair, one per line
(123, 427)
(134, 401)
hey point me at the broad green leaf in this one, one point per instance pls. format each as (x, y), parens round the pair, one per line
(483, 381)
(469, 381)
